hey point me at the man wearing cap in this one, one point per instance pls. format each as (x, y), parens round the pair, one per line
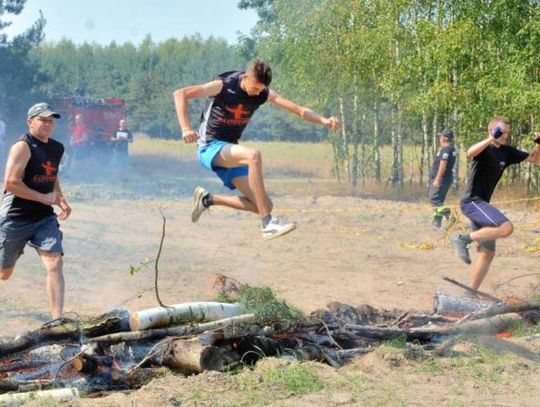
(31, 188)
(490, 157)
(441, 177)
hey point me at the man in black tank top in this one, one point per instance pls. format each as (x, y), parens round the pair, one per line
(490, 157)
(234, 97)
(31, 188)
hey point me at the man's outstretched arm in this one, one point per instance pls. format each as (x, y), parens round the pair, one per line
(305, 113)
(181, 97)
(534, 156)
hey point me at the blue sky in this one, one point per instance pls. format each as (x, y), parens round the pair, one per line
(103, 21)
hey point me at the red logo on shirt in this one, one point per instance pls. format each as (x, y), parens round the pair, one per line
(237, 112)
(48, 168)
(49, 176)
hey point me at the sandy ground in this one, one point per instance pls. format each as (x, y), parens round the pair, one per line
(348, 249)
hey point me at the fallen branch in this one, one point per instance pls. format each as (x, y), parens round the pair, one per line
(174, 331)
(472, 290)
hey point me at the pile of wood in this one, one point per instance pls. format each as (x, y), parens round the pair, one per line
(122, 350)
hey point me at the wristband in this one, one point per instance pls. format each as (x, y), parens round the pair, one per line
(184, 129)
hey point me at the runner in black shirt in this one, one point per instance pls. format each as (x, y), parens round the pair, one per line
(490, 158)
(234, 97)
(32, 187)
(441, 177)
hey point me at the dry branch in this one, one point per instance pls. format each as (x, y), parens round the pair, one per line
(174, 331)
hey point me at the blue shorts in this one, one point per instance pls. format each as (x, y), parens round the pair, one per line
(482, 214)
(44, 234)
(206, 155)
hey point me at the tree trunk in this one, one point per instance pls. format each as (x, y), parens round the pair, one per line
(424, 157)
(344, 150)
(455, 125)
(355, 138)
(376, 149)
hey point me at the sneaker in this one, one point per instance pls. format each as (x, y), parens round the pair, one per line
(462, 248)
(437, 222)
(275, 229)
(446, 212)
(198, 207)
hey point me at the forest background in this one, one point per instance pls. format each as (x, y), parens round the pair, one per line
(395, 71)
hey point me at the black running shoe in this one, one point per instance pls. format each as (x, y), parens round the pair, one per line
(461, 247)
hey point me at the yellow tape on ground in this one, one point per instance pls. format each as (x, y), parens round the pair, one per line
(421, 246)
(535, 247)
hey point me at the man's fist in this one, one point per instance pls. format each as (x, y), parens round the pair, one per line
(536, 137)
(190, 136)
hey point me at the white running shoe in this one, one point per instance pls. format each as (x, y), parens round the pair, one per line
(276, 228)
(198, 207)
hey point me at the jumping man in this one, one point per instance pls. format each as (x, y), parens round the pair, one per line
(234, 97)
(490, 158)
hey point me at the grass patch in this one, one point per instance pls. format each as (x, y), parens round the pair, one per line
(432, 367)
(521, 328)
(278, 381)
(484, 366)
(294, 379)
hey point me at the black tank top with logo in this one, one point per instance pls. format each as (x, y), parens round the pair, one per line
(40, 175)
(229, 112)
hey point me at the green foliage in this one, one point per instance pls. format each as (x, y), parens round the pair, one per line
(263, 303)
(17, 73)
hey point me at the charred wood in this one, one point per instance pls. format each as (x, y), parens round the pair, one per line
(61, 330)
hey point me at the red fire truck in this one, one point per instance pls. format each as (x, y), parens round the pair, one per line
(101, 116)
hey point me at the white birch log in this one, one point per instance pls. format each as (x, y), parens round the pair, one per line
(16, 399)
(445, 303)
(181, 313)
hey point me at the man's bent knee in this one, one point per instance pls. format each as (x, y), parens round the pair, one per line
(254, 156)
(506, 229)
(6, 273)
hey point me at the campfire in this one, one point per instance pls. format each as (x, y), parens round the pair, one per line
(123, 350)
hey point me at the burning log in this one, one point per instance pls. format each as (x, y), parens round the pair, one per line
(85, 363)
(56, 394)
(174, 331)
(114, 321)
(193, 357)
(181, 313)
(23, 364)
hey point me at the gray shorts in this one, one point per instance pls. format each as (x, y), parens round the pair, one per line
(44, 234)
